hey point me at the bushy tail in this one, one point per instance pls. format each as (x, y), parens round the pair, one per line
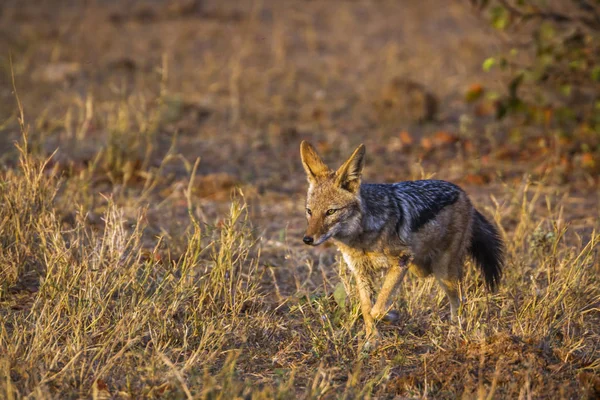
(487, 249)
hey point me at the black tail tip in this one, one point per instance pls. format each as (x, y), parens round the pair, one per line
(487, 249)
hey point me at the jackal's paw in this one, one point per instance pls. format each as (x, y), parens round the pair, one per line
(391, 317)
(371, 341)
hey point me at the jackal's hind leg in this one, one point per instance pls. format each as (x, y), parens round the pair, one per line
(451, 287)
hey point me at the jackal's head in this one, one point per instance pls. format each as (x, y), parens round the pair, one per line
(333, 205)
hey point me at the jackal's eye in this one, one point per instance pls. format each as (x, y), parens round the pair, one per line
(308, 211)
(331, 211)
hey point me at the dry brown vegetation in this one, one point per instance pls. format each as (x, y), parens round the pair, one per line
(151, 212)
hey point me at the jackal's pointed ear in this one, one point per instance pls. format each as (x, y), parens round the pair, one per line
(348, 175)
(313, 165)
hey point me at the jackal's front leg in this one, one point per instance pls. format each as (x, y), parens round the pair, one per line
(394, 276)
(363, 284)
(364, 294)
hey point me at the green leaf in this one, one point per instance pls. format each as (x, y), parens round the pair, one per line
(339, 295)
(492, 95)
(546, 59)
(547, 32)
(499, 17)
(596, 73)
(577, 64)
(488, 64)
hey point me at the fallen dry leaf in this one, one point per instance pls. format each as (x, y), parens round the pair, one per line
(405, 138)
(442, 138)
(587, 160)
(477, 179)
(474, 93)
(485, 108)
(426, 143)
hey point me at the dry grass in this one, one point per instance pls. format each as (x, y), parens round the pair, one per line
(92, 312)
(157, 252)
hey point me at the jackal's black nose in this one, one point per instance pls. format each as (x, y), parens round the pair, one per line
(308, 240)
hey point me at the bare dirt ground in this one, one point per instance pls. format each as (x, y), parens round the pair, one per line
(131, 93)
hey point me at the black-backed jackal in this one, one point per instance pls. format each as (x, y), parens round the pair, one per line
(426, 226)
